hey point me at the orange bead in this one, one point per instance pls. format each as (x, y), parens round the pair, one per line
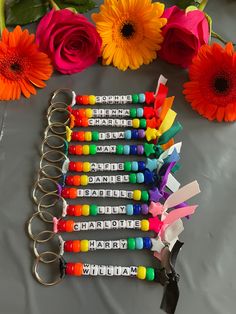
(82, 113)
(69, 225)
(84, 122)
(80, 136)
(72, 193)
(76, 180)
(78, 210)
(79, 166)
(76, 246)
(78, 149)
(78, 269)
(85, 99)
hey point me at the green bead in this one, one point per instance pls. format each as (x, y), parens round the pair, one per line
(150, 274)
(133, 112)
(131, 243)
(66, 147)
(119, 149)
(144, 196)
(95, 136)
(127, 166)
(93, 210)
(132, 178)
(143, 123)
(135, 98)
(93, 149)
(149, 149)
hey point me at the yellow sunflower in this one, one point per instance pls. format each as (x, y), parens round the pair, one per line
(130, 31)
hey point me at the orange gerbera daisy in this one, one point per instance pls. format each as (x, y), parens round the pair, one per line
(22, 65)
(130, 31)
(212, 87)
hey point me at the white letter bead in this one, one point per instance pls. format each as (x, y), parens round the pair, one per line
(92, 245)
(126, 271)
(123, 244)
(115, 245)
(101, 270)
(100, 245)
(109, 270)
(86, 269)
(107, 224)
(117, 270)
(101, 209)
(133, 270)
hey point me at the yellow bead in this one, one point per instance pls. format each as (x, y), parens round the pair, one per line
(144, 225)
(88, 136)
(92, 100)
(84, 180)
(84, 245)
(86, 166)
(86, 150)
(85, 210)
(89, 113)
(141, 272)
(137, 195)
(136, 123)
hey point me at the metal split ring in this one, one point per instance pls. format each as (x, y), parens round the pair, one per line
(35, 215)
(64, 91)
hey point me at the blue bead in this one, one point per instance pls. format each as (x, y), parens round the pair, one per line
(140, 177)
(134, 166)
(147, 243)
(129, 209)
(137, 209)
(134, 134)
(141, 98)
(148, 177)
(141, 165)
(128, 134)
(126, 150)
(139, 112)
(139, 243)
(133, 149)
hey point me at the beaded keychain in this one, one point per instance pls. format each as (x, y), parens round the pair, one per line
(153, 124)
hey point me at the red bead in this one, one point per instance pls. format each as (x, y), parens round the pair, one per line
(84, 122)
(65, 193)
(85, 99)
(148, 112)
(68, 246)
(61, 225)
(73, 193)
(75, 113)
(70, 269)
(70, 210)
(78, 121)
(149, 98)
(70, 180)
(72, 149)
(72, 166)
(79, 99)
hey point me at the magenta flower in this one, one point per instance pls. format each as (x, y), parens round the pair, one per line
(69, 39)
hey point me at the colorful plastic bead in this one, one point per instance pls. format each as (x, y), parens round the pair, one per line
(86, 166)
(88, 136)
(89, 113)
(129, 209)
(77, 210)
(126, 150)
(136, 123)
(133, 149)
(93, 149)
(139, 112)
(141, 165)
(139, 243)
(68, 246)
(147, 243)
(84, 245)
(84, 180)
(137, 209)
(93, 210)
(137, 195)
(85, 99)
(150, 274)
(95, 136)
(69, 225)
(70, 269)
(140, 177)
(144, 196)
(85, 149)
(131, 243)
(128, 166)
(141, 98)
(134, 166)
(144, 209)
(144, 225)
(140, 150)
(76, 246)
(92, 100)
(133, 113)
(128, 135)
(135, 98)
(132, 178)
(141, 272)
(78, 269)
(134, 134)
(142, 123)
(141, 133)
(119, 149)
(85, 210)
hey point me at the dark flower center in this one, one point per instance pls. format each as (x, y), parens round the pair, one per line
(15, 67)
(221, 84)
(127, 30)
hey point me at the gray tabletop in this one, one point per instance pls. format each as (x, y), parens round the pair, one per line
(206, 263)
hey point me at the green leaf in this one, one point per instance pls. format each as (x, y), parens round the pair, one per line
(183, 4)
(202, 5)
(209, 20)
(25, 11)
(80, 6)
(191, 8)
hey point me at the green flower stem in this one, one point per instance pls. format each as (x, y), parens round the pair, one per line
(53, 5)
(202, 5)
(2, 16)
(220, 38)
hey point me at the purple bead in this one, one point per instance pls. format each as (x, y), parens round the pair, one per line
(141, 133)
(144, 209)
(140, 149)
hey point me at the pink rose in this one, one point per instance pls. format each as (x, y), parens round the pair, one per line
(183, 34)
(69, 39)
